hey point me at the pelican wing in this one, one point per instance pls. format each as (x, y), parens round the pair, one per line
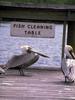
(2, 70)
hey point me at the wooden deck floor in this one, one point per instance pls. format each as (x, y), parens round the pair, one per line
(36, 85)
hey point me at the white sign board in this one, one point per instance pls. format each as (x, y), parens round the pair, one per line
(31, 29)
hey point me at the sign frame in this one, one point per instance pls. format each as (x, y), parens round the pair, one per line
(32, 29)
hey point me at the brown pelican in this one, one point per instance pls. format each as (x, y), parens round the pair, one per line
(68, 64)
(23, 60)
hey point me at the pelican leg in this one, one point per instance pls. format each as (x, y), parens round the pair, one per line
(25, 65)
(21, 70)
(68, 80)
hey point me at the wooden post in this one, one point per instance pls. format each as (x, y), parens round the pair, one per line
(63, 44)
(64, 33)
(63, 40)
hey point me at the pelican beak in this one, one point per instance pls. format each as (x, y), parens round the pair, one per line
(39, 53)
(73, 55)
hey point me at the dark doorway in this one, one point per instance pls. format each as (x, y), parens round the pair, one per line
(71, 34)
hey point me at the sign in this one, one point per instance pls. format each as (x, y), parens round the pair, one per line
(31, 29)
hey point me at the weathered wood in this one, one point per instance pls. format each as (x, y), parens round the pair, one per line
(21, 11)
(37, 85)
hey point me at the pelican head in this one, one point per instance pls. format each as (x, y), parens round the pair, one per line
(25, 49)
(69, 47)
(69, 51)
